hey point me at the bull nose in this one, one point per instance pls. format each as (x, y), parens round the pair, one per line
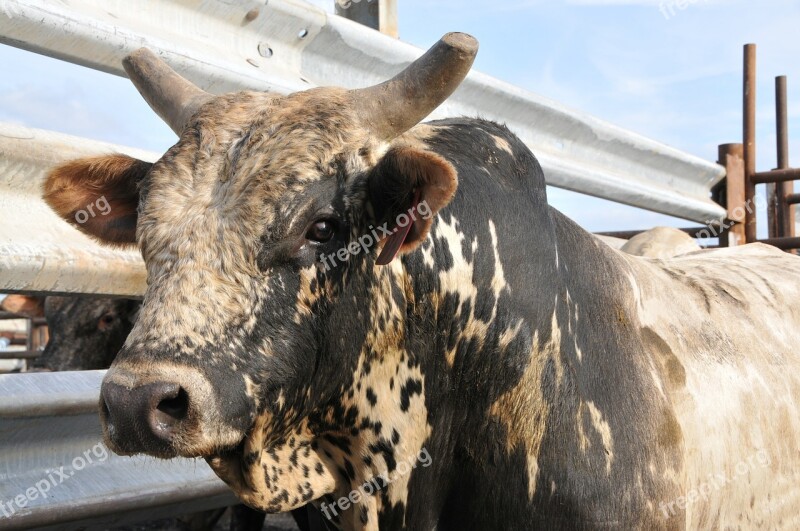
(145, 417)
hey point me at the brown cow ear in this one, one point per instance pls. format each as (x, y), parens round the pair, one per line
(406, 189)
(98, 195)
(24, 305)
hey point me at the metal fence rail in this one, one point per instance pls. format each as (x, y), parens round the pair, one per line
(54, 472)
(38, 251)
(288, 45)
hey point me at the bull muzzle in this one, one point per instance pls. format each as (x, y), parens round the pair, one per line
(144, 418)
(169, 410)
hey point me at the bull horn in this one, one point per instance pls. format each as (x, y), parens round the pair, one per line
(395, 106)
(172, 97)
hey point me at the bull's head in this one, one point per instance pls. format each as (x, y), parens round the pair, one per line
(248, 342)
(85, 332)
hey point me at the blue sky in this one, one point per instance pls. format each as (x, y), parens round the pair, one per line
(669, 73)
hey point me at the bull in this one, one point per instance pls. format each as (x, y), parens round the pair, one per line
(489, 365)
(660, 242)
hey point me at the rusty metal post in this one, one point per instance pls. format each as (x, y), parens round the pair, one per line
(29, 341)
(776, 176)
(380, 15)
(785, 218)
(731, 156)
(38, 336)
(749, 126)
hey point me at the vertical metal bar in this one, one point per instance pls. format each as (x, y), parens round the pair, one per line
(773, 207)
(783, 190)
(380, 15)
(28, 341)
(749, 126)
(731, 156)
(387, 13)
(364, 12)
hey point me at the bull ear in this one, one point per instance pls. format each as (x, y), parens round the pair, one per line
(98, 195)
(23, 305)
(406, 189)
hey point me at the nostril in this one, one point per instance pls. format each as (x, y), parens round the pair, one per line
(170, 410)
(104, 404)
(106, 414)
(144, 417)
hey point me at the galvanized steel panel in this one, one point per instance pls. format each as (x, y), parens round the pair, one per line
(288, 45)
(38, 250)
(56, 473)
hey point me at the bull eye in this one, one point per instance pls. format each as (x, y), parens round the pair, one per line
(321, 231)
(106, 321)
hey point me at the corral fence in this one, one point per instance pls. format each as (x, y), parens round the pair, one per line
(48, 421)
(32, 339)
(737, 192)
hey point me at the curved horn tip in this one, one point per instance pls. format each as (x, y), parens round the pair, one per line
(137, 57)
(461, 41)
(139, 53)
(174, 98)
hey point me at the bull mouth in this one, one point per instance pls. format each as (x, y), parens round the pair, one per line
(235, 465)
(142, 411)
(275, 477)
